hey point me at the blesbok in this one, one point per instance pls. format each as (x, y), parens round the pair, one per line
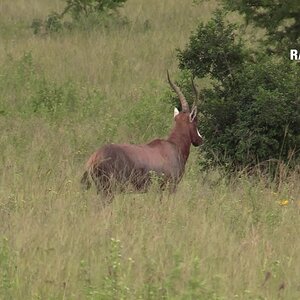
(129, 164)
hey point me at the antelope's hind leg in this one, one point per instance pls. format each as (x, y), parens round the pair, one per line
(106, 195)
(169, 186)
(104, 189)
(140, 181)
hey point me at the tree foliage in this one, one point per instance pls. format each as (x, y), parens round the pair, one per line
(251, 112)
(280, 18)
(79, 10)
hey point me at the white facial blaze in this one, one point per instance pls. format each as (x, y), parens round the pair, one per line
(176, 112)
(199, 133)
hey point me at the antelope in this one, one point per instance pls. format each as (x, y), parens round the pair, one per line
(133, 164)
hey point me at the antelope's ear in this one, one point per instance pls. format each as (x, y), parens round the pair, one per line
(176, 112)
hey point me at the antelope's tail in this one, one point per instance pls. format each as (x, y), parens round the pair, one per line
(85, 180)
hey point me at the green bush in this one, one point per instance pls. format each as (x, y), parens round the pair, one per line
(280, 19)
(79, 8)
(84, 14)
(251, 112)
(53, 22)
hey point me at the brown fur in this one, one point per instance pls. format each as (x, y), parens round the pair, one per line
(133, 164)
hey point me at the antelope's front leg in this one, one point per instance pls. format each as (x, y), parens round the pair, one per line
(170, 184)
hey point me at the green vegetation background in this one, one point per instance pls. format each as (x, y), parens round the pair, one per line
(63, 95)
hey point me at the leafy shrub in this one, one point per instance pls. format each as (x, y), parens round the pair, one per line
(79, 8)
(281, 19)
(214, 50)
(82, 12)
(36, 25)
(251, 112)
(53, 22)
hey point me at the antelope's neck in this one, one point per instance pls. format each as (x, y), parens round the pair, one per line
(182, 141)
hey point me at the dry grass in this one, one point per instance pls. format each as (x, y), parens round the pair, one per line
(214, 239)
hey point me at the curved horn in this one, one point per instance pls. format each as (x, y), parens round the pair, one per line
(184, 103)
(196, 92)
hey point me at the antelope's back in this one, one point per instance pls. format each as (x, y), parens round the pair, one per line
(159, 156)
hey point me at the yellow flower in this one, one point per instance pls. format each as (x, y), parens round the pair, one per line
(284, 202)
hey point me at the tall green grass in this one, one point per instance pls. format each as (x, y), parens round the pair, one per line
(62, 96)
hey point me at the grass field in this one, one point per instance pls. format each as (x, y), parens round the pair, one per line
(61, 97)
